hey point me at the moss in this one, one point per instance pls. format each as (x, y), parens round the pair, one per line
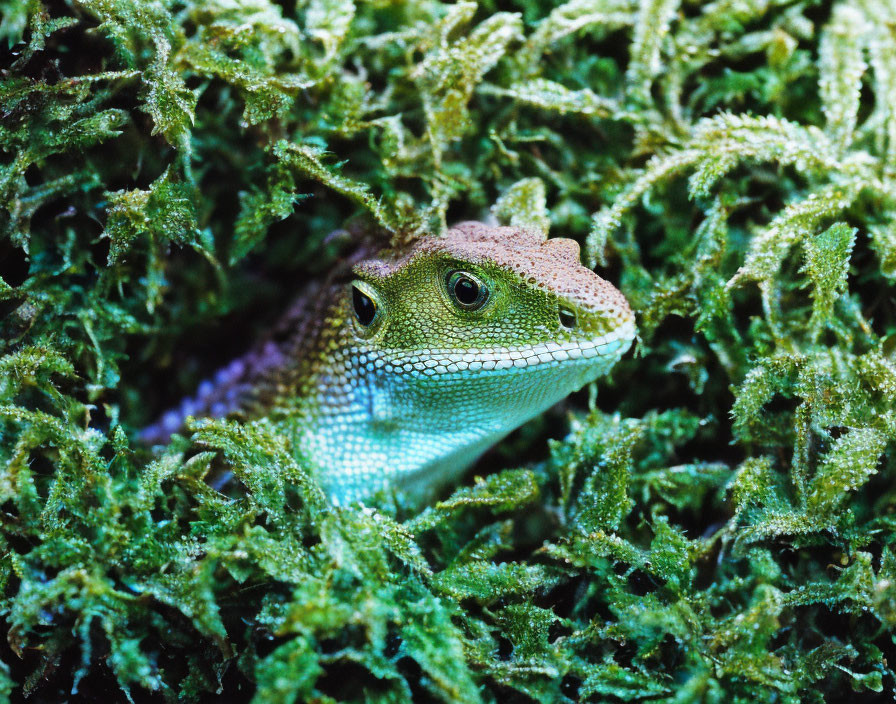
(713, 524)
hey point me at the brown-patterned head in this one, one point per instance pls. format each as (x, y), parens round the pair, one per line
(480, 289)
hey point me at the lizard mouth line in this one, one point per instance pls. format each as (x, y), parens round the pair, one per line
(435, 362)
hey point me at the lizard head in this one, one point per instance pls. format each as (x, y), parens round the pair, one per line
(440, 349)
(482, 298)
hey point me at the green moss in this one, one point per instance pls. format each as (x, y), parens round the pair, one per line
(713, 524)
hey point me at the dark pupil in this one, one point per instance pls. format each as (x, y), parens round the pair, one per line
(466, 290)
(567, 318)
(364, 306)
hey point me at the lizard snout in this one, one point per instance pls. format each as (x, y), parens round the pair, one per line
(594, 311)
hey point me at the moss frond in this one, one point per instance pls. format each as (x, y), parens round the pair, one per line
(714, 523)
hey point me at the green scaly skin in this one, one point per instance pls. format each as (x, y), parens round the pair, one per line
(413, 396)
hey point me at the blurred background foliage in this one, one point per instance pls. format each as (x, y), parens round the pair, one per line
(713, 523)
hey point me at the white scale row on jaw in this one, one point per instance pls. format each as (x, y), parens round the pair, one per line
(435, 361)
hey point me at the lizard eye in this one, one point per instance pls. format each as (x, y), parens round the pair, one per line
(567, 318)
(364, 306)
(466, 291)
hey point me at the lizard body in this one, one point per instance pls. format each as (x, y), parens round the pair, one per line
(407, 369)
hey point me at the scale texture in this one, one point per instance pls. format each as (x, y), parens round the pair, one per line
(405, 367)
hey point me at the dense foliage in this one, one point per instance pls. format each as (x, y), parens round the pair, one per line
(714, 522)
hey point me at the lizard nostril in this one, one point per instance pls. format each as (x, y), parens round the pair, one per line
(567, 318)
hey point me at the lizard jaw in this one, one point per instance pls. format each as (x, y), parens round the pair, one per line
(439, 363)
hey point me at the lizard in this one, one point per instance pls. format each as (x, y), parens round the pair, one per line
(402, 369)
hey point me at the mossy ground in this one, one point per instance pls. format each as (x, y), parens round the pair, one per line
(716, 524)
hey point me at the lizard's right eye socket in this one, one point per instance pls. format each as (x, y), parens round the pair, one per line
(364, 306)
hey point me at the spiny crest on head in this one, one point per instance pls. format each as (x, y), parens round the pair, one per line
(515, 239)
(510, 247)
(480, 232)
